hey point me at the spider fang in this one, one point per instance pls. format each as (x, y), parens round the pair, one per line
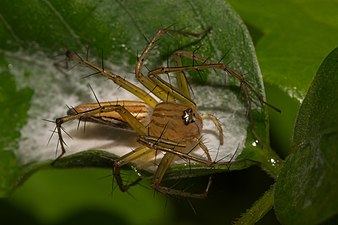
(188, 116)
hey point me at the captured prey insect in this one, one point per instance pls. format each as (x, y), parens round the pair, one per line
(167, 120)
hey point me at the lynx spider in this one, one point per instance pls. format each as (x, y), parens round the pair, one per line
(173, 125)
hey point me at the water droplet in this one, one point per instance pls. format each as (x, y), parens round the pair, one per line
(273, 162)
(255, 143)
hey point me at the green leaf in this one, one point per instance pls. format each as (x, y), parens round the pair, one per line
(288, 38)
(306, 187)
(14, 105)
(35, 34)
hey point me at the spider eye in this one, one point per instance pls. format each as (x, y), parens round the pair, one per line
(188, 116)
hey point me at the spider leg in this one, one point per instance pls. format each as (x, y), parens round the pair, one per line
(177, 149)
(217, 124)
(173, 148)
(207, 64)
(152, 42)
(138, 109)
(161, 170)
(140, 93)
(205, 150)
(181, 79)
(157, 86)
(135, 154)
(133, 122)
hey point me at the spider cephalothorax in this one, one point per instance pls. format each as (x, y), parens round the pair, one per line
(167, 122)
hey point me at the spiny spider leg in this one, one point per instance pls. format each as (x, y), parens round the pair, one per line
(171, 147)
(206, 64)
(115, 78)
(172, 150)
(139, 109)
(154, 84)
(162, 168)
(124, 113)
(218, 125)
(127, 158)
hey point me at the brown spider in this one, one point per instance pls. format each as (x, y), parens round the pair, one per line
(172, 125)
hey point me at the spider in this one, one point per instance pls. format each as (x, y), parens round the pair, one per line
(171, 124)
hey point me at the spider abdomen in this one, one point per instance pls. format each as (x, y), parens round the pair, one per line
(175, 122)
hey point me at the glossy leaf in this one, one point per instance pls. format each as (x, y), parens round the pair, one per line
(289, 39)
(306, 187)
